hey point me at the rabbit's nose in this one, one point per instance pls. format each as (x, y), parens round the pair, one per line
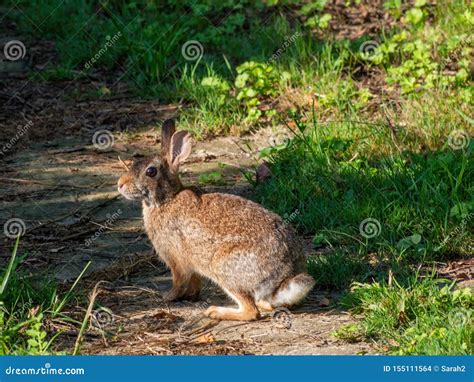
(121, 183)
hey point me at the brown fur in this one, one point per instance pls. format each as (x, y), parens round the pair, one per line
(242, 247)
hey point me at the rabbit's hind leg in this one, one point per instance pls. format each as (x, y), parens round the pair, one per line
(247, 311)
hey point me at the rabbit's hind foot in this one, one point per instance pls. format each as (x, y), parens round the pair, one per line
(264, 305)
(247, 311)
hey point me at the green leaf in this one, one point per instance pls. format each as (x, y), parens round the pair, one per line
(32, 343)
(241, 80)
(416, 238)
(461, 210)
(250, 93)
(267, 151)
(414, 16)
(318, 239)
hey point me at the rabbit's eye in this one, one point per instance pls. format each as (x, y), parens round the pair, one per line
(151, 172)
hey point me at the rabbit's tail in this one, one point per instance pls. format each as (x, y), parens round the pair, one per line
(292, 290)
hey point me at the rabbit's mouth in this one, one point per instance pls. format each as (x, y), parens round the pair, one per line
(131, 196)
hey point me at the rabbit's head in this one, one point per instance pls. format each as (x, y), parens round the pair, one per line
(155, 180)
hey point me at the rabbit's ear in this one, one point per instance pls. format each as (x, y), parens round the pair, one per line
(180, 149)
(167, 131)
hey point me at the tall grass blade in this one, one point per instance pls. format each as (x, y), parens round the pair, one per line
(10, 266)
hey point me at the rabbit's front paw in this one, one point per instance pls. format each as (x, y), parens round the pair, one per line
(175, 294)
(192, 297)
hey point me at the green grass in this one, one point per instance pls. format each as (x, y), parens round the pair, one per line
(148, 54)
(419, 317)
(327, 173)
(27, 304)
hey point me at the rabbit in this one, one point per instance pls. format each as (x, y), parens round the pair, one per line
(245, 249)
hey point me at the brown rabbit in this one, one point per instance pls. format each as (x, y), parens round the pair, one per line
(245, 249)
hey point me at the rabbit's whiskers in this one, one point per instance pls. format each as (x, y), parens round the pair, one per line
(123, 164)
